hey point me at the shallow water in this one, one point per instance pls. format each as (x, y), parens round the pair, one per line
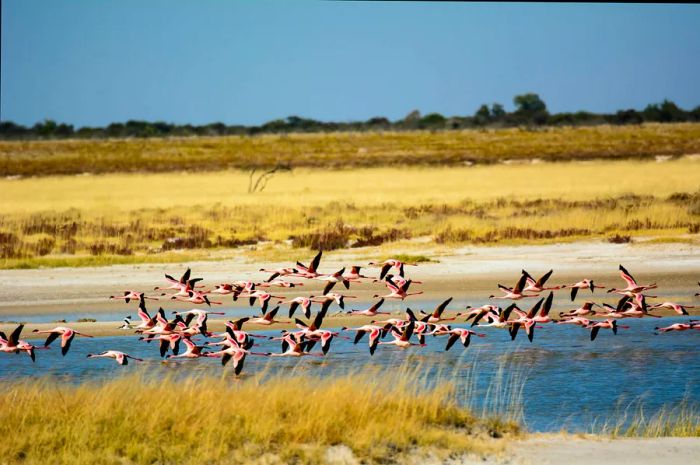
(570, 381)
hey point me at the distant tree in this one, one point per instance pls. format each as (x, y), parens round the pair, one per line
(47, 128)
(529, 103)
(497, 111)
(378, 122)
(530, 108)
(432, 121)
(629, 116)
(482, 116)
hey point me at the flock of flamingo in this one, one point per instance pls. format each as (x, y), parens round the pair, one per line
(235, 344)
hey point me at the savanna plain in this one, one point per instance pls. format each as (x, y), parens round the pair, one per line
(73, 210)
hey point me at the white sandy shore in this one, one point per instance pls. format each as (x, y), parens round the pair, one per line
(471, 272)
(570, 450)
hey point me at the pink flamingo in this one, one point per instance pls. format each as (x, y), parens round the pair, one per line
(397, 292)
(120, 357)
(632, 286)
(67, 335)
(372, 311)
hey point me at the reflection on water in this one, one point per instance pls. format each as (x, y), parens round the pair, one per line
(569, 381)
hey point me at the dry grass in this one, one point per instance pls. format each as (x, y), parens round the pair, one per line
(336, 150)
(135, 218)
(264, 419)
(682, 420)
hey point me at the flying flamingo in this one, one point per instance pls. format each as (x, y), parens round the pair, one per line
(296, 302)
(374, 331)
(332, 279)
(388, 264)
(583, 284)
(538, 286)
(402, 338)
(196, 297)
(607, 324)
(461, 334)
(129, 295)
(66, 334)
(516, 293)
(678, 327)
(680, 309)
(583, 310)
(355, 275)
(372, 311)
(192, 351)
(632, 286)
(120, 357)
(311, 270)
(436, 315)
(397, 292)
(267, 319)
(279, 272)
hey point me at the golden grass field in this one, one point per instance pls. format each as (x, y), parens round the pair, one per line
(260, 419)
(338, 150)
(135, 217)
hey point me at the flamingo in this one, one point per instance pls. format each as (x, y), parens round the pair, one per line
(326, 299)
(575, 320)
(268, 318)
(583, 310)
(196, 297)
(372, 311)
(678, 327)
(632, 286)
(279, 272)
(14, 344)
(402, 338)
(538, 286)
(121, 357)
(397, 292)
(374, 331)
(129, 295)
(526, 320)
(278, 283)
(607, 324)
(678, 308)
(461, 334)
(192, 351)
(332, 279)
(294, 349)
(309, 271)
(263, 298)
(355, 275)
(516, 293)
(296, 302)
(67, 335)
(436, 315)
(583, 284)
(386, 265)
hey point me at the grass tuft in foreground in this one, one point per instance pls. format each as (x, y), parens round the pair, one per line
(271, 419)
(682, 420)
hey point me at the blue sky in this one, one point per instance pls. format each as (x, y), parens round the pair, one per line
(98, 61)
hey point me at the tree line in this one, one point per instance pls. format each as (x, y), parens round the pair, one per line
(530, 110)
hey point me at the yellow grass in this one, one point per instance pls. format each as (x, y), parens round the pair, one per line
(117, 193)
(348, 149)
(116, 218)
(682, 420)
(261, 419)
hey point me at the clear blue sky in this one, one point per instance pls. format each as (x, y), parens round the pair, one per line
(94, 62)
